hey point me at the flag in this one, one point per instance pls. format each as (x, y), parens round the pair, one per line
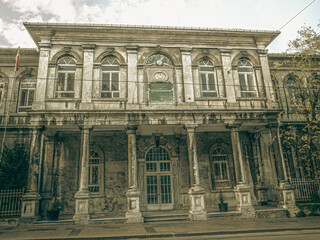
(17, 60)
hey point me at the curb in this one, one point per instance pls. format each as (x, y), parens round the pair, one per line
(172, 235)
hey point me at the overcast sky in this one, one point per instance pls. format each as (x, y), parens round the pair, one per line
(246, 14)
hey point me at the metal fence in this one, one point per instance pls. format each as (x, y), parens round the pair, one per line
(10, 202)
(304, 188)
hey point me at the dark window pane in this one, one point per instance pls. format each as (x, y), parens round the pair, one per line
(24, 95)
(106, 95)
(70, 83)
(116, 94)
(243, 85)
(31, 97)
(208, 69)
(203, 81)
(60, 83)
(115, 81)
(211, 82)
(209, 94)
(105, 81)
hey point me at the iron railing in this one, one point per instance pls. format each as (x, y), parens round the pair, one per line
(305, 188)
(10, 202)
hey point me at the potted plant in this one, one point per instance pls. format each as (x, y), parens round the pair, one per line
(54, 210)
(223, 207)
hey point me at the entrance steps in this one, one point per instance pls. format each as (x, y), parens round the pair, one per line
(231, 214)
(270, 212)
(164, 216)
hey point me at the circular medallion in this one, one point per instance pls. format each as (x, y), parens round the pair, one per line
(160, 76)
(159, 62)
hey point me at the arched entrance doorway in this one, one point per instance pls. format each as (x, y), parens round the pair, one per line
(158, 179)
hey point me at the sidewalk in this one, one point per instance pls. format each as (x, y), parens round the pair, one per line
(163, 230)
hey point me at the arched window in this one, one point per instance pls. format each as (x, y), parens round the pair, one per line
(219, 167)
(26, 94)
(246, 77)
(66, 71)
(94, 172)
(110, 75)
(207, 78)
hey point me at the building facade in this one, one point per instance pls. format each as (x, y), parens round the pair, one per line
(123, 120)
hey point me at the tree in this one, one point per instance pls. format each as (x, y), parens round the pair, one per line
(14, 167)
(300, 131)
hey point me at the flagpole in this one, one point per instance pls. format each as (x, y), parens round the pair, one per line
(6, 107)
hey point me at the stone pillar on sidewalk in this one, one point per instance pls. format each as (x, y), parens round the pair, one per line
(196, 192)
(133, 213)
(83, 195)
(30, 200)
(242, 189)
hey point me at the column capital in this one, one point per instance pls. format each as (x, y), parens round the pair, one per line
(38, 128)
(44, 46)
(85, 127)
(272, 126)
(131, 129)
(190, 127)
(262, 51)
(88, 47)
(225, 51)
(132, 48)
(185, 50)
(233, 126)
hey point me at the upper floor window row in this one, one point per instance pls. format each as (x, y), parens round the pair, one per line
(66, 70)
(110, 78)
(248, 86)
(207, 78)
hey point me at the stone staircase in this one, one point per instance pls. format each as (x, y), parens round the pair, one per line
(165, 216)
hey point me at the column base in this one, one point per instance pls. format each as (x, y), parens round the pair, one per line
(243, 197)
(262, 194)
(133, 213)
(197, 210)
(287, 198)
(82, 207)
(30, 207)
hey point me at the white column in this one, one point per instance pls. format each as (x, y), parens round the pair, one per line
(87, 79)
(132, 52)
(133, 213)
(82, 196)
(187, 74)
(40, 94)
(227, 72)
(242, 189)
(30, 201)
(196, 192)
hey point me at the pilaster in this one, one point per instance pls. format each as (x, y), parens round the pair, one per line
(132, 53)
(87, 79)
(271, 101)
(187, 74)
(133, 213)
(196, 192)
(227, 72)
(287, 198)
(43, 66)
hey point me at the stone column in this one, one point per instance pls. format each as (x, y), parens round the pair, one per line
(132, 52)
(133, 193)
(287, 198)
(187, 74)
(242, 189)
(82, 196)
(196, 192)
(227, 72)
(30, 201)
(87, 79)
(40, 94)
(261, 186)
(271, 101)
(47, 174)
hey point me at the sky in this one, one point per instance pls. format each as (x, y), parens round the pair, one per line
(244, 14)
